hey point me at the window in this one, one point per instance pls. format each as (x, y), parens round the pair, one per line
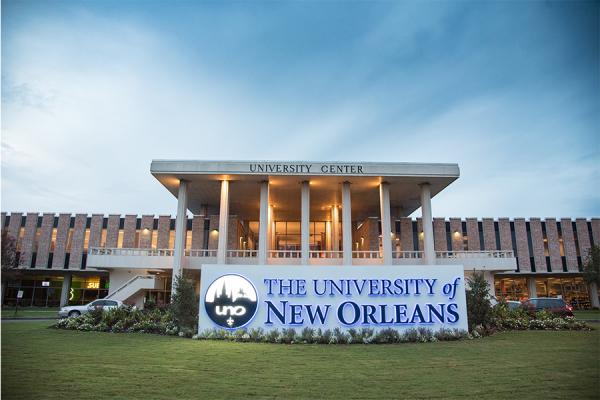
(86, 240)
(171, 239)
(20, 238)
(53, 240)
(154, 240)
(103, 238)
(188, 239)
(69, 239)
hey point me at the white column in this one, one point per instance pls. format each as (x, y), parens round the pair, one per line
(66, 290)
(223, 223)
(386, 224)
(263, 225)
(429, 250)
(180, 232)
(594, 295)
(335, 228)
(305, 222)
(346, 223)
(531, 287)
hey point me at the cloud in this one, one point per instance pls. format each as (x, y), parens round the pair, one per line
(89, 98)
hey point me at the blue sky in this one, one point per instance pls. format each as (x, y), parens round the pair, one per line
(92, 91)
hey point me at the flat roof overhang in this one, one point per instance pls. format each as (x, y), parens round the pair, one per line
(285, 177)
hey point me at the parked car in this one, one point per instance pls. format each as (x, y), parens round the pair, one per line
(554, 305)
(76, 311)
(512, 304)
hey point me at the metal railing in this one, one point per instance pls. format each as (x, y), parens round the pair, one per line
(284, 254)
(129, 283)
(411, 254)
(475, 254)
(325, 254)
(370, 254)
(242, 253)
(112, 251)
(201, 253)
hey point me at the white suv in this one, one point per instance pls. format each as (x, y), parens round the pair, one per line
(76, 311)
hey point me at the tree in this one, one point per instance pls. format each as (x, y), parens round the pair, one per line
(591, 266)
(479, 307)
(9, 256)
(184, 303)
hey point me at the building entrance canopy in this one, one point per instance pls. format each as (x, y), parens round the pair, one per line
(285, 178)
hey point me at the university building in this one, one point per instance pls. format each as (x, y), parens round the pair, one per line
(287, 213)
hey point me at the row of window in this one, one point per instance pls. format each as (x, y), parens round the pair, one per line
(572, 289)
(287, 237)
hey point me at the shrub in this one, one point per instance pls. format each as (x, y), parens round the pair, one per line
(184, 303)
(479, 308)
(288, 335)
(307, 335)
(387, 335)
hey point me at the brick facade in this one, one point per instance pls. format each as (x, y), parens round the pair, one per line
(596, 231)
(522, 245)
(14, 225)
(146, 228)
(569, 244)
(406, 234)
(96, 222)
(530, 243)
(60, 247)
(583, 237)
(198, 232)
(553, 245)
(129, 231)
(43, 248)
(473, 242)
(28, 240)
(505, 235)
(537, 244)
(164, 229)
(112, 231)
(456, 233)
(439, 234)
(489, 234)
(77, 239)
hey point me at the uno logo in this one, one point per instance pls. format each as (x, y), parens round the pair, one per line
(231, 301)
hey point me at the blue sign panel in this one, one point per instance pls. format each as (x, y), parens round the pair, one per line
(327, 297)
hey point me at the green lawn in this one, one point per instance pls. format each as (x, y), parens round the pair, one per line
(587, 314)
(44, 363)
(30, 312)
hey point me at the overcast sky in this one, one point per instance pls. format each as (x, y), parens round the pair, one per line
(93, 91)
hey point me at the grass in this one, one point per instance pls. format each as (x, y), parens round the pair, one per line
(30, 312)
(587, 314)
(44, 363)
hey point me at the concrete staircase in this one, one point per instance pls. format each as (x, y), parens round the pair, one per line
(133, 287)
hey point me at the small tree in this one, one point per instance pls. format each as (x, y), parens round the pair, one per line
(591, 266)
(184, 303)
(479, 307)
(9, 256)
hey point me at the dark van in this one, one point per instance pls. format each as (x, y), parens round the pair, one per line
(555, 305)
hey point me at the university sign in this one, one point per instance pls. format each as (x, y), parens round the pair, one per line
(269, 297)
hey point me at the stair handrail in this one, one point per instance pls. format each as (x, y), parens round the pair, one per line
(129, 282)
